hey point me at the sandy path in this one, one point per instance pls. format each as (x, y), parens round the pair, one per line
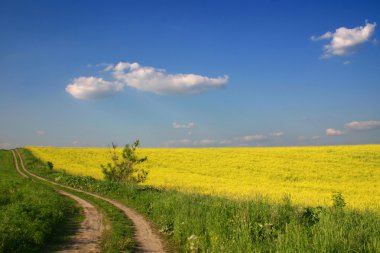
(147, 240)
(88, 236)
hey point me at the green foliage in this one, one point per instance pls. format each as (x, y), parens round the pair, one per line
(338, 200)
(311, 215)
(117, 239)
(30, 215)
(124, 168)
(50, 165)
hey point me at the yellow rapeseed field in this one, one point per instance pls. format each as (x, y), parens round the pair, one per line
(309, 175)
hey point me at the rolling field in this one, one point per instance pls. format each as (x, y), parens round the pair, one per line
(308, 174)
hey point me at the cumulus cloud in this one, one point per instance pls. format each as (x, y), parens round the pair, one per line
(345, 40)
(184, 126)
(333, 132)
(363, 125)
(160, 82)
(143, 78)
(89, 88)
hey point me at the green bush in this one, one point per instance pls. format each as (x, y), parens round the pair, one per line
(125, 169)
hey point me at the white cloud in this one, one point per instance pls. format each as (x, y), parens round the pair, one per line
(256, 137)
(333, 132)
(347, 62)
(160, 82)
(327, 35)
(185, 126)
(277, 134)
(344, 40)
(76, 143)
(143, 78)
(88, 88)
(40, 132)
(363, 125)
(315, 137)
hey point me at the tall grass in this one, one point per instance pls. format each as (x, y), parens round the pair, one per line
(31, 215)
(201, 223)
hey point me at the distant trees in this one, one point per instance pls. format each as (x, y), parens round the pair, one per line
(124, 168)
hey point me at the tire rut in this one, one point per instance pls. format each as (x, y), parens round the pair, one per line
(88, 236)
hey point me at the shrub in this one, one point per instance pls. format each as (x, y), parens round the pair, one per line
(50, 165)
(125, 169)
(338, 200)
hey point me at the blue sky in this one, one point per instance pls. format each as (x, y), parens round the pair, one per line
(194, 73)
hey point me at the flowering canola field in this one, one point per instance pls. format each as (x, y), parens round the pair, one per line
(309, 175)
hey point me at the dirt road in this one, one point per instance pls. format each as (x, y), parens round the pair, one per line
(88, 236)
(147, 240)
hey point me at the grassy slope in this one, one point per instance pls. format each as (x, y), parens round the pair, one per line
(308, 174)
(194, 222)
(32, 215)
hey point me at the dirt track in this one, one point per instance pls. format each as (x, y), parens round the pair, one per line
(88, 236)
(147, 240)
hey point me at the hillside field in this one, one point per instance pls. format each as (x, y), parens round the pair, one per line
(309, 175)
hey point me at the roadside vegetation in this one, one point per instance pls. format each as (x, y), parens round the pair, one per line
(33, 218)
(118, 235)
(202, 223)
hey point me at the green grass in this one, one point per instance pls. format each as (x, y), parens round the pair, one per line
(200, 223)
(119, 238)
(32, 217)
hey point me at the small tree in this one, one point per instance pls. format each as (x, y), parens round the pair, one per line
(338, 200)
(124, 168)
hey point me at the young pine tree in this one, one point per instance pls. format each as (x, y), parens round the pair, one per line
(124, 168)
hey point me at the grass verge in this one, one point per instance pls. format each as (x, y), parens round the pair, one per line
(118, 235)
(33, 218)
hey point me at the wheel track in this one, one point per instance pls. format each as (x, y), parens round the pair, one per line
(88, 236)
(147, 240)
